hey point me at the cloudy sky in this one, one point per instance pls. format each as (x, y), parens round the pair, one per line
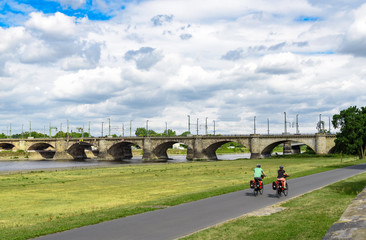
(88, 61)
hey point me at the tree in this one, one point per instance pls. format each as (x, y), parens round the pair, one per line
(186, 133)
(170, 133)
(352, 136)
(141, 132)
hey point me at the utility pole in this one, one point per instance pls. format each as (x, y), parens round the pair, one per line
(189, 123)
(109, 127)
(51, 130)
(297, 123)
(123, 129)
(102, 128)
(166, 128)
(147, 128)
(254, 126)
(67, 127)
(214, 127)
(30, 128)
(285, 124)
(329, 124)
(206, 125)
(268, 126)
(197, 126)
(130, 128)
(89, 129)
(320, 121)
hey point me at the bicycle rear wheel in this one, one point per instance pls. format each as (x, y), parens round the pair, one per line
(279, 192)
(255, 192)
(285, 191)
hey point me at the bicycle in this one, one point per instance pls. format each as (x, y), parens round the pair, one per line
(257, 186)
(278, 186)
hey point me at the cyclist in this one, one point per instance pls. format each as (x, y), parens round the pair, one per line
(258, 174)
(281, 176)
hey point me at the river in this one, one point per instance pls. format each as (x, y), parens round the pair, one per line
(46, 164)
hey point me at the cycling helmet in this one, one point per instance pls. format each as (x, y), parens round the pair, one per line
(258, 165)
(281, 167)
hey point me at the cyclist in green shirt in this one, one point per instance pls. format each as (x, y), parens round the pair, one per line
(258, 173)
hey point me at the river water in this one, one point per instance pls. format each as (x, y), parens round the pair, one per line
(44, 164)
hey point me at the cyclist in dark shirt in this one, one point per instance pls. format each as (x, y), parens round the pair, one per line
(281, 176)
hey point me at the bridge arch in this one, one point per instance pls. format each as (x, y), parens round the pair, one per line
(267, 151)
(77, 150)
(40, 146)
(121, 150)
(7, 146)
(159, 151)
(46, 150)
(210, 151)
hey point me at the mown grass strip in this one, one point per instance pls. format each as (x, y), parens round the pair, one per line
(39, 203)
(305, 217)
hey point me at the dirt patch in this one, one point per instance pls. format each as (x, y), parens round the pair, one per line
(266, 211)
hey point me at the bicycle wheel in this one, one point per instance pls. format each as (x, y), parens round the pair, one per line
(285, 191)
(278, 192)
(255, 192)
(261, 191)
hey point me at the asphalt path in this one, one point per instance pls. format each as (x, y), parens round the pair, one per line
(177, 221)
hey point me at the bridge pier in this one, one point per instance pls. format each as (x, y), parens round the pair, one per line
(198, 151)
(61, 147)
(254, 146)
(320, 143)
(148, 154)
(287, 148)
(103, 154)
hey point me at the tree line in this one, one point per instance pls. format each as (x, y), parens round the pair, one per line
(140, 132)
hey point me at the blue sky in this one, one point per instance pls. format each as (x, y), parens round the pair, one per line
(157, 60)
(14, 10)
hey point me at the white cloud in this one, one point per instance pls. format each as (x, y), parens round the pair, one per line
(57, 26)
(11, 37)
(165, 59)
(282, 63)
(355, 37)
(88, 85)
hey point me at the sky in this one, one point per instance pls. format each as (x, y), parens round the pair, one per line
(239, 65)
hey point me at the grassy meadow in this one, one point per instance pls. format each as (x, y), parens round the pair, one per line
(43, 202)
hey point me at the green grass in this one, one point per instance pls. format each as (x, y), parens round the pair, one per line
(305, 217)
(38, 203)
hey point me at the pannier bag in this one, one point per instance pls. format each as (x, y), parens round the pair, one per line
(274, 185)
(251, 183)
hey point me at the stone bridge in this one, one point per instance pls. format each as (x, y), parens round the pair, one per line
(155, 148)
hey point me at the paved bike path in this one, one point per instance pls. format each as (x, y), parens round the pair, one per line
(177, 221)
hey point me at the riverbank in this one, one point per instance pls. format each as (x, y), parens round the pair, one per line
(136, 153)
(39, 155)
(38, 203)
